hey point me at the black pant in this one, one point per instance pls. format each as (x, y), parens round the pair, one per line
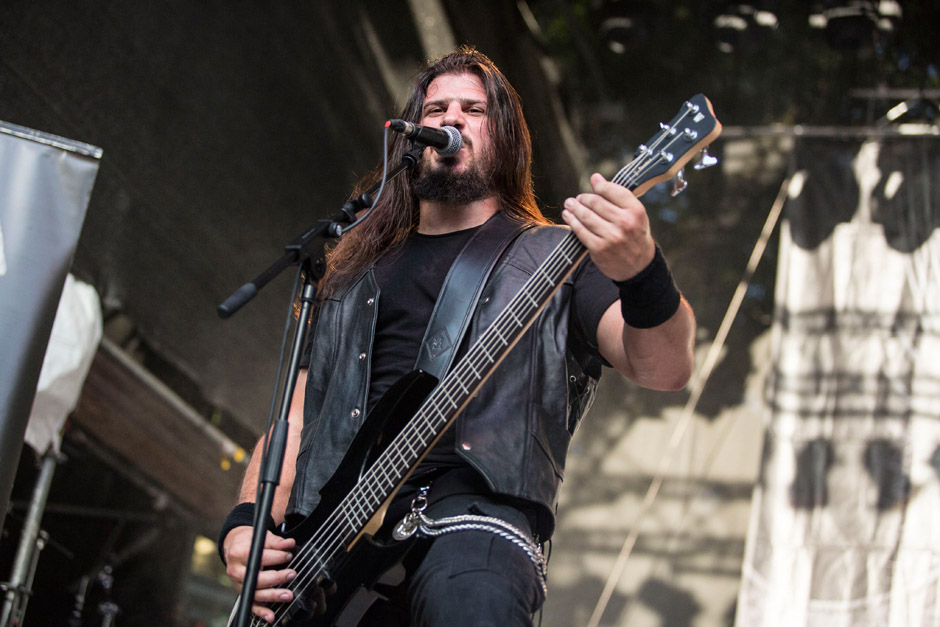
(465, 578)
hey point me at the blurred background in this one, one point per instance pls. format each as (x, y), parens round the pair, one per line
(226, 129)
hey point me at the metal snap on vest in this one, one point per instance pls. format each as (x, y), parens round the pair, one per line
(465, 446)
(362, 356)
(355, 413)
(370, 301)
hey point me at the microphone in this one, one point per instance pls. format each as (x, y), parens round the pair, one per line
(446, 140)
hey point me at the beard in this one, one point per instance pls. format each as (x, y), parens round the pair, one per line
(442, 184)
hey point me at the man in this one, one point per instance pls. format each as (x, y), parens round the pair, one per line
(503, 459)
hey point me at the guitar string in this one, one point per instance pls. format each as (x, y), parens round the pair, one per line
(564, 256)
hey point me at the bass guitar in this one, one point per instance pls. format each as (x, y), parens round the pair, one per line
(336, 543)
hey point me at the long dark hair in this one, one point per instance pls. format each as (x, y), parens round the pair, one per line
(396, 214)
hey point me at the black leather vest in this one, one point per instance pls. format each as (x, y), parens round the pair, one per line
(515, 432)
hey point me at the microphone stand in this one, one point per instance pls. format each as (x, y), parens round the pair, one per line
(301, 251)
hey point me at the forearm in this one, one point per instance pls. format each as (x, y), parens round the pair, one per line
(233, 532)
(249, 486)
(248, 491)
(661, 357)
(236, 532)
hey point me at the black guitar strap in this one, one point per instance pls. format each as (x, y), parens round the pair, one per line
(461, 291)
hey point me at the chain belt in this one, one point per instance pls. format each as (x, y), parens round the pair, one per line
(416, 521)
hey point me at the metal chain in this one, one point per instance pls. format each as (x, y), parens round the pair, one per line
(417, 522)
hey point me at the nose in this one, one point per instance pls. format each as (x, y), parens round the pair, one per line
(453, 116)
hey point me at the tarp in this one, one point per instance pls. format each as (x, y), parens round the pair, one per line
(845, 524)
(76, 333)
(45, 186)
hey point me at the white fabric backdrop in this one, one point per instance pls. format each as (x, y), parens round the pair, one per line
(845, 523)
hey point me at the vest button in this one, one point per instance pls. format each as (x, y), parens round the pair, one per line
(355, 413)
(465, 446)
(362, 356)
(370, 301)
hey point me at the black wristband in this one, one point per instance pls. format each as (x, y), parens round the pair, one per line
(242, 515)
(651, 297)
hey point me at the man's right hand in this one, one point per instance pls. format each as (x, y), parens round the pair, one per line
(271, 580)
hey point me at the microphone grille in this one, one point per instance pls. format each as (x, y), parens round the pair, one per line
(455, 143)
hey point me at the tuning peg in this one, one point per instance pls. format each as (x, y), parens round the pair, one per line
(679, 183)
(706, 161)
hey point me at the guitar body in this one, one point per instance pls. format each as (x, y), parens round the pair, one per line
(357, 574)
(357, 569)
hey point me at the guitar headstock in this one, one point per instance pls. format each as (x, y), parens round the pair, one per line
(665, 154)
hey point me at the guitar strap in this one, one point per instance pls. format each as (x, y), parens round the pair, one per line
(461, 291)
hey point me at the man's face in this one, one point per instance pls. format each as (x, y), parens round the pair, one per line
(457, 100)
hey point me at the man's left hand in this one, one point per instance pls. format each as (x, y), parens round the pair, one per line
(612, 223)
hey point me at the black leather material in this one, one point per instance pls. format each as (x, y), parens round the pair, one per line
(337, 386)
(515, 432)
(461, 290)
